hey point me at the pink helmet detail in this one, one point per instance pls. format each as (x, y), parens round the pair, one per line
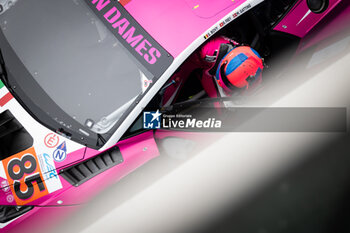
(209, 52)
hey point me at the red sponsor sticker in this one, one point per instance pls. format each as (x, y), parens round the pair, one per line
(51, 140)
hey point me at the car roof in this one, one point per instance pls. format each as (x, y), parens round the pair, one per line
(176, 24)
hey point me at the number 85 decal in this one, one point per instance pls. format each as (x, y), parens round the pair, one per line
(17, 168)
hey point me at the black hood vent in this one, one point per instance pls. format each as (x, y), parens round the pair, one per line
(81, 172)
(13, 137)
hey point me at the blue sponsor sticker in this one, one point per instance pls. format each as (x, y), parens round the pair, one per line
(49, 168)
(60, 153)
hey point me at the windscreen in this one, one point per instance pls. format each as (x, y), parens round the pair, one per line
(74, 59)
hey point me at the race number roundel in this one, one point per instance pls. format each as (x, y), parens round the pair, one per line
(25, 177)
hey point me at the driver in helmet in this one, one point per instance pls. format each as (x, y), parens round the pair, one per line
(228, 68)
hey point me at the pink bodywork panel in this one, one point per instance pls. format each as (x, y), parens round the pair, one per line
(40, 220)
(209, 9)
(136, 151)
(176, 24)
(300, 20)
(334, 23)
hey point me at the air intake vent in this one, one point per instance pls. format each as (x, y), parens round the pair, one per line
(271, 12)
(80, 173)
(13, 137)
(278, 9)
(8, 213)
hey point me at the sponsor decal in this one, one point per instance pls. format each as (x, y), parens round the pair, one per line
(146, 83)
(5, 186)
(131, 35)
(10, 198)
(7, 191)
(151, 120)
(60, 153)
(24, 173)
(49, 172)
(29, 177)
(51, 140)
(47, 166)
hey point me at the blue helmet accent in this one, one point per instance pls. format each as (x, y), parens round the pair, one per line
(235, 63)
(256, 53)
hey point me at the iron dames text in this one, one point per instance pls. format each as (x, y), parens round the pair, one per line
(141, 45)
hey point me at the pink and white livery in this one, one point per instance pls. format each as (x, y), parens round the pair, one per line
(84, 84)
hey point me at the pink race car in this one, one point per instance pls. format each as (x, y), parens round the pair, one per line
(83, 84)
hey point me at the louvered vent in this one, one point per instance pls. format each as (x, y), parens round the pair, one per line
(13, 137)
(80, 173)
(8, 213)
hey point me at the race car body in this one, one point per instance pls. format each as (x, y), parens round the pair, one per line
(79, 76)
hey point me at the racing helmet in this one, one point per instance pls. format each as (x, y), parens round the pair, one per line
(240, 69)
(214, 50)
